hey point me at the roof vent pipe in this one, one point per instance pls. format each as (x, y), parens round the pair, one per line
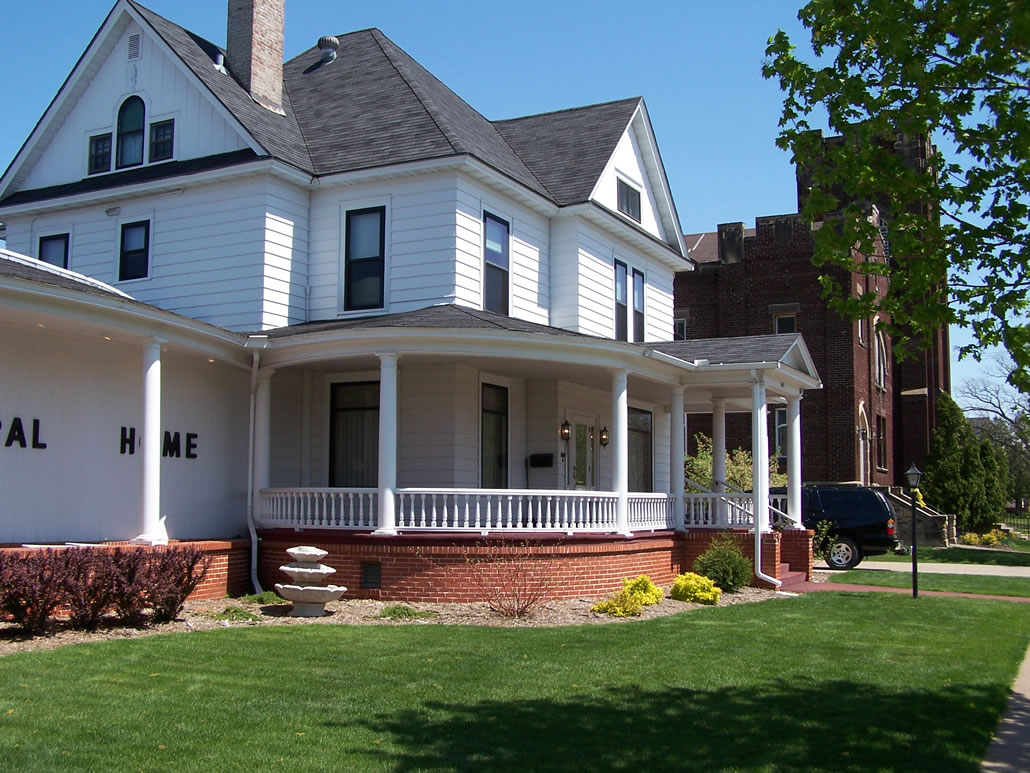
(328, 44)
(220, 63)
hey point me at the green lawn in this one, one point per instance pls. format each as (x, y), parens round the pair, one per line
(827, 681)
(963, 556)
(959, 583)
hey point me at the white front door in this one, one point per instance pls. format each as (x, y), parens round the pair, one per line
(581, 472)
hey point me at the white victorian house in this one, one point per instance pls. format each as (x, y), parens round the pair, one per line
(328, 295)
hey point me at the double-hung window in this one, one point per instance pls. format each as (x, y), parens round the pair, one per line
(629, 200)
(496, 263)
(881, 442)
(364, 259)
(638, 305)
(641, 449)
(780, 432)
(134, 254)
(785, 323)
(354, 434)
(621, 302)
(162, 136)
(54, 250)
(100, 153)
(131, 119)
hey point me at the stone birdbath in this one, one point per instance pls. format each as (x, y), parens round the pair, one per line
(309, 595)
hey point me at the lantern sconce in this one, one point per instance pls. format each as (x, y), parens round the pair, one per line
(604, 437)
(565, 431)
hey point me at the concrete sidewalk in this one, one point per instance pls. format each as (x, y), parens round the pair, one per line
(929, 567)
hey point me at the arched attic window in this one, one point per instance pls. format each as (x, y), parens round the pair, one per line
(131, 120)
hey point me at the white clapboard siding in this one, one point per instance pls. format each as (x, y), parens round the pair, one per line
(628, 163)
(200, 130)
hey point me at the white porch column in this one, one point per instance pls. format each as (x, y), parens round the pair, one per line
(262, 437)
(794, 460)
(387, 443)
(620, 452)
(759, 454)
(719, 452)
(151, 523)
(676, 418)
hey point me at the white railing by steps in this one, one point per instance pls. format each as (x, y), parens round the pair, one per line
(319, 508)
(505, 509)
(718, 511)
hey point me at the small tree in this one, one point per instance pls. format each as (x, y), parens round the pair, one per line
(739, 469)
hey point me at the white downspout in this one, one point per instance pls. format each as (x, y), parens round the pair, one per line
(760, 469)
(250, 477)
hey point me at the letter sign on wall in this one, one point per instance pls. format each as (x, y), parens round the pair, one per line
(171, 444)
(16, 434)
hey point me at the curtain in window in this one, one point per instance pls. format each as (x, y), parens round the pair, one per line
(354, 438)
(130, 132)
(640, 451)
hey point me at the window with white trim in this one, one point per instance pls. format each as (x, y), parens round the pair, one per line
(628, 199)
(638, 305)
(354, 434)
(641, 450)
(882, 360)
(679, 330)
(131, 121)
(621, 301)
(785, 323)
(53, 249)
(779, 427)
(881, 442)
(496, 263)
(364, 258)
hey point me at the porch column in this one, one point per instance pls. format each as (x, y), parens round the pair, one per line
(794, 460)
(262, 437)
(152, 525)
(387, 443)
(676, 417)
(620, 452)
(719, 456)
(759, 454)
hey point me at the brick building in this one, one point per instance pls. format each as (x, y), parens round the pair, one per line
(875, 415)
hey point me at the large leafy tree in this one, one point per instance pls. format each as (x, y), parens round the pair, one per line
(956, 71)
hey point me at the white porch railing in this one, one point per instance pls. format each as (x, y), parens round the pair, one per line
(319, 508)
(505, 509)
(463, 509)
(651, 511)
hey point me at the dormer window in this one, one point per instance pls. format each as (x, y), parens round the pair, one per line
(629, 200)
(496, 234)
(131, 119)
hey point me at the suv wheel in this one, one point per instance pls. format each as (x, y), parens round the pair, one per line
(843, 554)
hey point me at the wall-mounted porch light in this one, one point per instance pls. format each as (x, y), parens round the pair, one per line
(566, 430)
(604, 437)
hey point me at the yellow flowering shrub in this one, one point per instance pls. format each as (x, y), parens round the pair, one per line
(695, 588)
(630, 601)
(970, 538)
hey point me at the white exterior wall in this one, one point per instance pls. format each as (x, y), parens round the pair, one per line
(627, 162)
(529, 253)
(81, 487)
(584, 282)
(420, 236)
(230, 253)
(167, 92)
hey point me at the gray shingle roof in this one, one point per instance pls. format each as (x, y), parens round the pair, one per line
(22, 269)
(730, 351)
(447, 316)
(568, 149)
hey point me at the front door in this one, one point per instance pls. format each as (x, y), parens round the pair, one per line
(582, 472)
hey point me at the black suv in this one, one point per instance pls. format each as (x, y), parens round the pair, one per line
(861, 521)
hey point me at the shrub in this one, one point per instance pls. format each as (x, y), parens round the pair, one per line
(622, 604)
(630, 601)
(33, 587)
(132, 580)
(642, 586)
(822, 540)
(267, 597)
(173, 575)
(89, 585)
(695, 588)
(724, 564)
(970, 538)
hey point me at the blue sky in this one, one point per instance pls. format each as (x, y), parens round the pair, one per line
(696, 63)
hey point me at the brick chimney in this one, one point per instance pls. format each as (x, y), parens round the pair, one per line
(254, 49)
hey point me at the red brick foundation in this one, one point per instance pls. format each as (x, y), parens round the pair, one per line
(458, 567)
(796, 550)
(228, 574)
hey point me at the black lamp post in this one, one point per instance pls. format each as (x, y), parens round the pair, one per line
(912, 477)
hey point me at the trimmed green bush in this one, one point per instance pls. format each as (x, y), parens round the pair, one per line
(724, 564)
(695, 588)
